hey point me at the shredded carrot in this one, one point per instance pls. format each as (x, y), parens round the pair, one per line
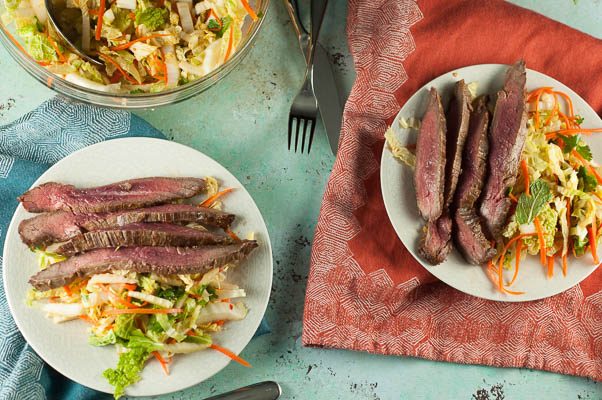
(500, 268)
(564, 265)
(250, 11)
(101, 12)
(491, 273)
(68, 290)
(550, 266)
(117, 311)
(568, 100)
(538, 91)
(230, 40)
(232, 235)
(537, 110)
(513, 197)
(140, 39)
(132, 16)
(84, 317)
(162, 362)
(542, 242)
(554, 109)
(221, 322)
(130, 286)
(116, 65)
(49, 82)
(232, 356)
(593, 241)
(519, 247)
(208, 202)
(56, 48)
(525, 169)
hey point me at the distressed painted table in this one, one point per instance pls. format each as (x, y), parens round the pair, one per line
(241, 122)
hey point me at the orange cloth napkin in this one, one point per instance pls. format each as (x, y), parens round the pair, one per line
(365, 291)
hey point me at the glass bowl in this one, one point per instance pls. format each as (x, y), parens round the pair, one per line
(135, 101)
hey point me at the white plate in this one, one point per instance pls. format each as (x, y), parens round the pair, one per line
(65, 346)
(400, 197)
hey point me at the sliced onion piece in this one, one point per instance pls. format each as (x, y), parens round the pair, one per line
(158, 301)
(185, 17)
(40, 9)
(80, 80)
(128, 4)
(171, 65)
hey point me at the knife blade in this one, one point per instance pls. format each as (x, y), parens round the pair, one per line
(326, 92)
(324, 84)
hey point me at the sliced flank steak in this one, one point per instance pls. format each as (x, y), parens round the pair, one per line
(429, 180)
(429, 174)
(55, 227)
(124, 195)
(506, 141)
(468, 232)
(158, 260)
(142, 234)
(457, 118)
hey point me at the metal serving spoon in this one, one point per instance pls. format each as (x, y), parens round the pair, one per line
(65, 30)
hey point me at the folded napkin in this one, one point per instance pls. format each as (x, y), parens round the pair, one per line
(28, 147)
(365, 290)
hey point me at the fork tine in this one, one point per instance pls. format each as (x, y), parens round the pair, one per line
(304, 132)
(290, 131)
(297, 133)
(311, 135)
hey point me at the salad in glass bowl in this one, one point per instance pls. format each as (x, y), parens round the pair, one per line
(136, 46)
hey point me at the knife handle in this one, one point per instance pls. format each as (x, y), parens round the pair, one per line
(318, 9)
(268, 390)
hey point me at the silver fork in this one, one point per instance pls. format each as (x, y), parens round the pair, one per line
(305, 106)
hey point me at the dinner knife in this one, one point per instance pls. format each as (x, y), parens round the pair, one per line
(268, 390)
(324, 84)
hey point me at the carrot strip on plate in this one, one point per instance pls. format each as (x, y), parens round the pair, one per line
(550, 267)
(587, 165)
(216, 196)
(593, 241)
(519, 247)
(525, 170)
(230, 354)
(162, 362)
(564, 265)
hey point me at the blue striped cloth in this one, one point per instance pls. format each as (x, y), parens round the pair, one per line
(28, 147)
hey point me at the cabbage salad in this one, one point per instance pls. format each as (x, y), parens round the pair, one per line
(145, 46)
(558, 194)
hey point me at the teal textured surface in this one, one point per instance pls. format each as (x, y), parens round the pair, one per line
(241, 122)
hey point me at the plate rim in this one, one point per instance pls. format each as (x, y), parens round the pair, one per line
(389, 206)
(135, 139)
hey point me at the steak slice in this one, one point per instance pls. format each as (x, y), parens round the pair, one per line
(506, 141)
(435, 244)
(58, 226)
(140, 234)
(468, 235)
(458, 117)
(429, 174)
(159, 260)
(122, 195)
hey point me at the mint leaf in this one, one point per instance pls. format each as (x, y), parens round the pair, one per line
(587, 182)
(570, 142)
(529, 206)
(585, 152)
